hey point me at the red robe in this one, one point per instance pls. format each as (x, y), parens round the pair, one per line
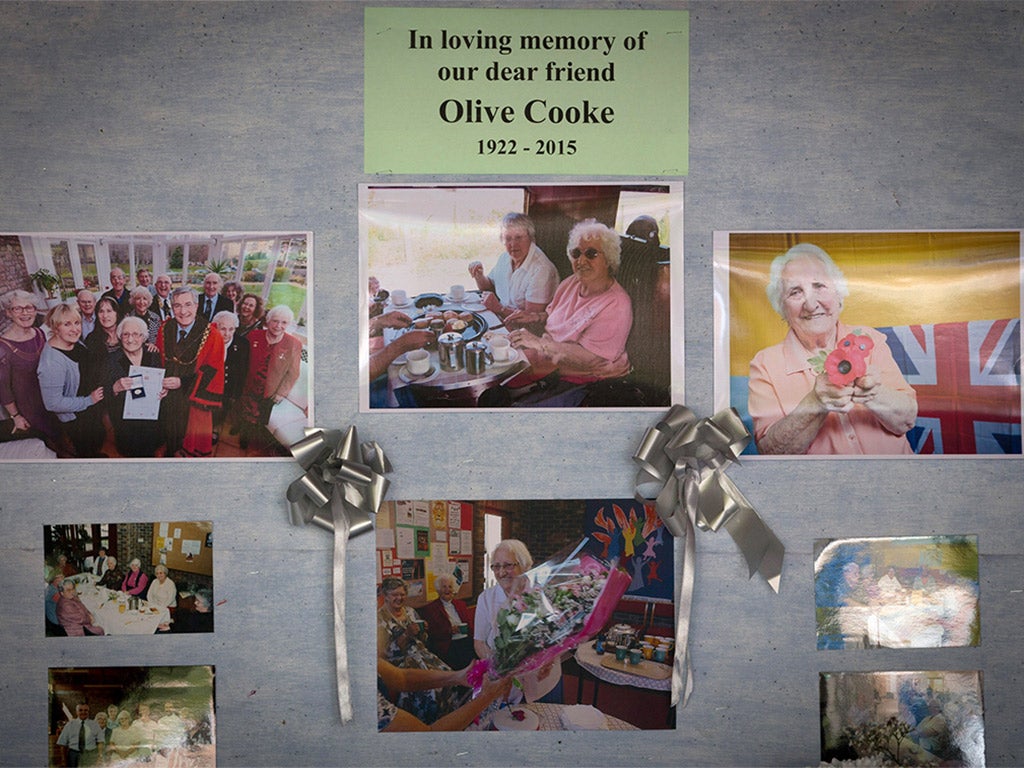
(198, 360)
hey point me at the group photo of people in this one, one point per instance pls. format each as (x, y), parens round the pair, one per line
(448, 573)
(532, 296)
(154, 346)
(127, 716)
(128, 578)
(901, 592)
(871, 343)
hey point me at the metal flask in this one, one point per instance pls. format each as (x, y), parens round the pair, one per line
(477, 357)
(451, 350)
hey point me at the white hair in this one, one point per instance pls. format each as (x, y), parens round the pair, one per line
(802, 251)
(281, 310)
(226, 314)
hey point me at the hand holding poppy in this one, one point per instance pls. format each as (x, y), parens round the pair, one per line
(866, 388)
(833, 397)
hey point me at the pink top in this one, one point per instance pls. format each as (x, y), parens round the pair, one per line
(781, 376)
(600, 324)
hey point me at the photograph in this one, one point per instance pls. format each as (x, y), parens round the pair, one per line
(154, 345)
(902, 718)
(128, 578)
(132, 716)
(871, 343)
(900, 592)
(521, 296)
(524, 615)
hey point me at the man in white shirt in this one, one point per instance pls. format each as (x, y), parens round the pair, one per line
(87, 308)
(82, 739)
(524, 278)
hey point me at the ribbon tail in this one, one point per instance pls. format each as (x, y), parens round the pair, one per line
(341, 531)
(682, 668)
(760, 546)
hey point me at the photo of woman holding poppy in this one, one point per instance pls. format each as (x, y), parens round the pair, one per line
(826, 387)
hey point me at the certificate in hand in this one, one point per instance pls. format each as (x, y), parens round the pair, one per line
(142, 401)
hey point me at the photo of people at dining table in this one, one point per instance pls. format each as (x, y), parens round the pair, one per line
(899, 592)
(154, 345)
(524, 615)
(871, 343)
(522, 296)
(128, 578)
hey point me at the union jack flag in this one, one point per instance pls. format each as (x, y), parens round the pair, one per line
(967, 379)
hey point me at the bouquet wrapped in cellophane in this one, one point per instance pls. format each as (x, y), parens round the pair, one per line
(558, 605)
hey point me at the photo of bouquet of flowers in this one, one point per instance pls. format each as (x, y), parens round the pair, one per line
(561, 603)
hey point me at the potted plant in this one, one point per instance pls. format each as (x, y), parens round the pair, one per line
(46, 281)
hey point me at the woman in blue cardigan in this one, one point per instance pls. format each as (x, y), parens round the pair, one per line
(60, 382)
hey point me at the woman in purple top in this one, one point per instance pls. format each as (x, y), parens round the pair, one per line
(135, 581)
(22, 413)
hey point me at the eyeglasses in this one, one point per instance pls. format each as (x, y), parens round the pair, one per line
(499, 567)
(590, 253)
(24, 309)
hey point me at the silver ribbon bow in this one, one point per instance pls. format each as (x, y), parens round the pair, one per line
(343, 485)
(682, 468)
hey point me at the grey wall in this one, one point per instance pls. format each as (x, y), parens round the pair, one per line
(247, 116)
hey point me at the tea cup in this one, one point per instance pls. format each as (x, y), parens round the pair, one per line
(417, 361)
(500, 348)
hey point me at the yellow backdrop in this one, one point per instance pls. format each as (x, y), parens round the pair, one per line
(895, 278)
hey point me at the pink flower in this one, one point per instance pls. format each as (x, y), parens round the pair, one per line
(844, 365)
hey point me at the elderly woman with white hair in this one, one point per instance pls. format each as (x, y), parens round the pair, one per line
(236, 364)
(796, 409)
(275, 357)
(140, 300)
(449, 624)
(22, 413)
(587, 323)
(162, 592)
(136, 580)
(509, 561)
(133, 437)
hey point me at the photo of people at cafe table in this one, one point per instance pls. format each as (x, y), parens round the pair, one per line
(524, 615)
(525, 296)
(153, 345)
(128, 578)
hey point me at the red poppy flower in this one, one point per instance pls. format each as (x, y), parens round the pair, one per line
(844, 366)
(856, 344)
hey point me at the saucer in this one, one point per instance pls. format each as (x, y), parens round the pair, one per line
(408, 303)
(514, 356)
(504, 720)
(452, 300)
(412, 378)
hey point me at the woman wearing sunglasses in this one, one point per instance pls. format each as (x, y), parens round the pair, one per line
(586, 325)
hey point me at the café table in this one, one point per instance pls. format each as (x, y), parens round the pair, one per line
(103, 604)
(589, 662)
(440, 388)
